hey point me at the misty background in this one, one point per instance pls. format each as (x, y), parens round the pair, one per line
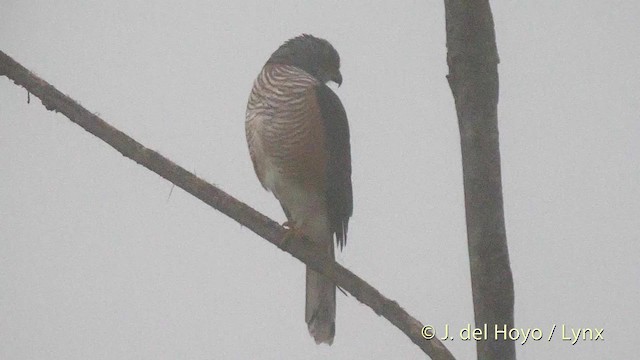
(101, 259)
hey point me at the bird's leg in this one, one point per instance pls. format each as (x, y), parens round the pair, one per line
(287, 224)
(292, 233)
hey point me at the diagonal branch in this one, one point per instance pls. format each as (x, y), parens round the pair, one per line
(304, 251)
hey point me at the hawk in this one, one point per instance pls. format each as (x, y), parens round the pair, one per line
(298, 138)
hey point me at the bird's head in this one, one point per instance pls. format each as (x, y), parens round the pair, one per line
(314, 55)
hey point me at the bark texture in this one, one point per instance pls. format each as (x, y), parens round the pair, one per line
(472, 57)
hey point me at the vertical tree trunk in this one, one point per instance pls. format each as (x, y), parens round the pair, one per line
(473, 77)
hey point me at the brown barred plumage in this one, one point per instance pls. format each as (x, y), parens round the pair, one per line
(298, 139)
(283, 125)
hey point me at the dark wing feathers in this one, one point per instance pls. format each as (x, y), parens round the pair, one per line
(339, 191)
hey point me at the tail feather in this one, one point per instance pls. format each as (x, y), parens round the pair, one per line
(320, 313)
(320, 309)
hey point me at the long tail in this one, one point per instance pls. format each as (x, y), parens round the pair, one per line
(320, 311)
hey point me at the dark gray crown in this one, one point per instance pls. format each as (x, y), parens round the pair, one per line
(314, 55)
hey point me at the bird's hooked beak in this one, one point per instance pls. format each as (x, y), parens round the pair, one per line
(337, 78)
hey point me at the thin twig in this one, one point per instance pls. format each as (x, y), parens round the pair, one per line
(304, 251)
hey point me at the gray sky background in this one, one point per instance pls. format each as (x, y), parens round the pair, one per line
(97, 261)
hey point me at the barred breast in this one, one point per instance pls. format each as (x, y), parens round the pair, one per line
(284, 130)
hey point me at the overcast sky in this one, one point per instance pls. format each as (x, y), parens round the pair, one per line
(100, 259)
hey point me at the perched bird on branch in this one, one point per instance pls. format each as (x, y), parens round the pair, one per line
(298, 138)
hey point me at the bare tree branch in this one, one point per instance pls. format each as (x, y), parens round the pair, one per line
(304, 251)
(473, 77)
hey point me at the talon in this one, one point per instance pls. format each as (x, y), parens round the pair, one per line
(292, 233)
